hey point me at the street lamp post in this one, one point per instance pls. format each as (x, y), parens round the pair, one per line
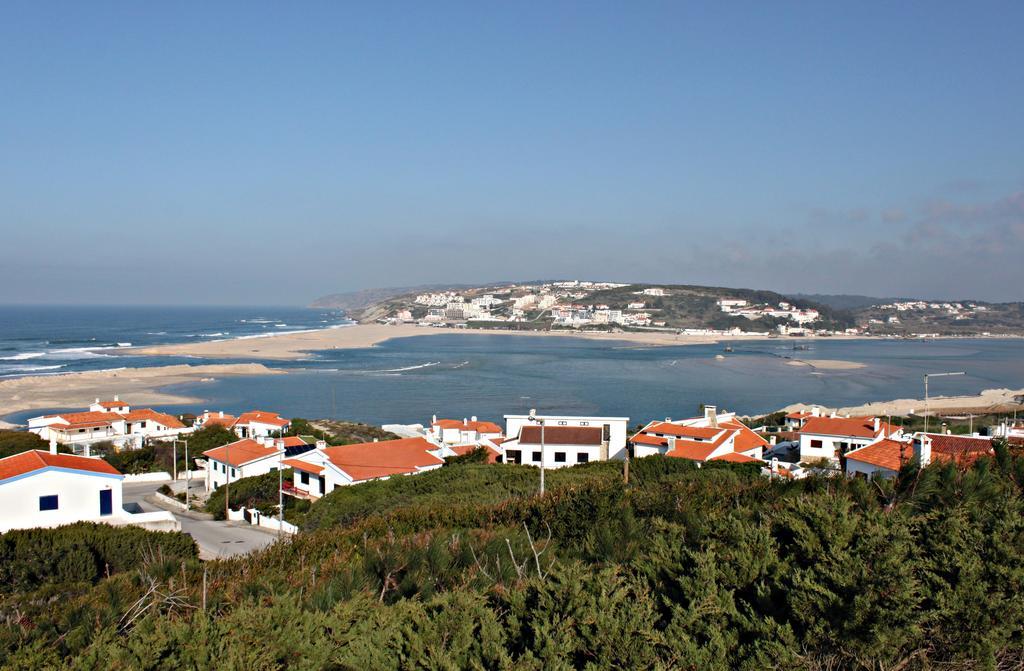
(280, 493)
(926, 405)
(227, 484)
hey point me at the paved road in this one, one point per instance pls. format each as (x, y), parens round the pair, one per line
(215, 539)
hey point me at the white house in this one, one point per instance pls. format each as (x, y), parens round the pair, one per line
(242, 459)
(113, 421)
(318, 472)
(567, 439)
(252, 424)
(832, 437)
(462, 432)
(46, 489)
(712, 436)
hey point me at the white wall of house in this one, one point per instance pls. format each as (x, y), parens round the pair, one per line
(217, 471)
(819, 446)
(259, 430)
(555, 456)
(617, 428)
(854, 467)
(77, 492)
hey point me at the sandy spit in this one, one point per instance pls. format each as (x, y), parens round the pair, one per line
(299, 345)
(139, 386)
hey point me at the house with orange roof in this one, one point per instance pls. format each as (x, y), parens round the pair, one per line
(832, 437)
(251, 424)
(250, 457)
(464, 431)
(794, 421)
(40, 488)
(713, 436)
(320, 471)
(886, 456)
(113, 421)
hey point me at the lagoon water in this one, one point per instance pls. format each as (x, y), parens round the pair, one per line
(459, 375)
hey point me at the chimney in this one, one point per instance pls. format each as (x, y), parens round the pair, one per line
(97, 400)
(279, 443)
(116, 398)
(473, 418)
(945, 429)
(815, 411)
(878, 424)
(376, 440)
(433, 420)
(671, 441)
(711, 414)
(53, 445)
(923, 449)
(221, 413)
(321, 444)
(465, 422)
(668, 419)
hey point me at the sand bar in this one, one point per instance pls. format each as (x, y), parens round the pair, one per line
(827, 364)
(137, 385)
(990, 400)
(299, 345)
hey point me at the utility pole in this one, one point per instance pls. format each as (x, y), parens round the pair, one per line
(926, 405)
(174, 460)
(188, 471)
(280, 493)
(227, 485)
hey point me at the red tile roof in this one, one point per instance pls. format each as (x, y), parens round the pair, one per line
(299, 464)
(366, 461)
(688, 449)
(114, 404)
(293, 441)
(148, 414)
(738, 458)
(644, 439)
(858, 427)
(679, 431)
(885, 453)
(241, 452)
(959, 446)
(262, 417)
(561, 435)
(492, 454)
(214, 418)
(480, 427)
(90, 416)
(746, 439)
(34, 460)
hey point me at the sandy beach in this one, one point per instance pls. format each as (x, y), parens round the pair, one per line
(990, 400)
(299, 345)
(137, 385)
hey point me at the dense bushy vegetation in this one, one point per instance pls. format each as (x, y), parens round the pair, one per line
(82, 552)
(465, 567)
(338, 432)
(157, 456)
(15, 442)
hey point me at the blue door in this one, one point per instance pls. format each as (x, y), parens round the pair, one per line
(106, 502)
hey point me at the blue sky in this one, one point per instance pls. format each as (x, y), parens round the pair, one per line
(255, 152)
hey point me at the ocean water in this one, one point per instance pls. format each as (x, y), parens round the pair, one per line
(55, 339)
(459, 375)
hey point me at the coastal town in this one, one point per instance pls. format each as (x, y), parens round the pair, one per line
(69, 481)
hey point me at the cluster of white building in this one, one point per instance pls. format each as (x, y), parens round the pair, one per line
(107, 421)
(741, 308)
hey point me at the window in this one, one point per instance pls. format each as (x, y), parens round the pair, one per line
(536, 456)
(582, 458)
(234, 473)
(48, 502)
(815, 443)
(142, 425)
(559, 457)
(584, 423)
(563, 423)
(304, 477)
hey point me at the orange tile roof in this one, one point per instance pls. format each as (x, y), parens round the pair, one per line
(492, 454)
(799, 415)
(858, 427)
(746, 439)
(34, 460)
(215, 419)
(88, 416)
(479, 426)
(644, 439)
(687, 449)
(114, 404)
(241, 452)
(366, 461)
(78, 425)
(148, 414)
(299, 464)
(885, 453)
(736, 457)
(293, 441)
(958, 446)
(262, 417)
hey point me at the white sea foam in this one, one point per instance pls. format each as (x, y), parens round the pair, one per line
(22, 356)
(407, 368)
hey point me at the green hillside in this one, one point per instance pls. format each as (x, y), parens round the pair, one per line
(465, 567)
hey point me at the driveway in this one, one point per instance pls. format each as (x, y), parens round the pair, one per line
(215, 539)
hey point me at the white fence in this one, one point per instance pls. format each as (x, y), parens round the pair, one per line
(256, 518)
(147, 477)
